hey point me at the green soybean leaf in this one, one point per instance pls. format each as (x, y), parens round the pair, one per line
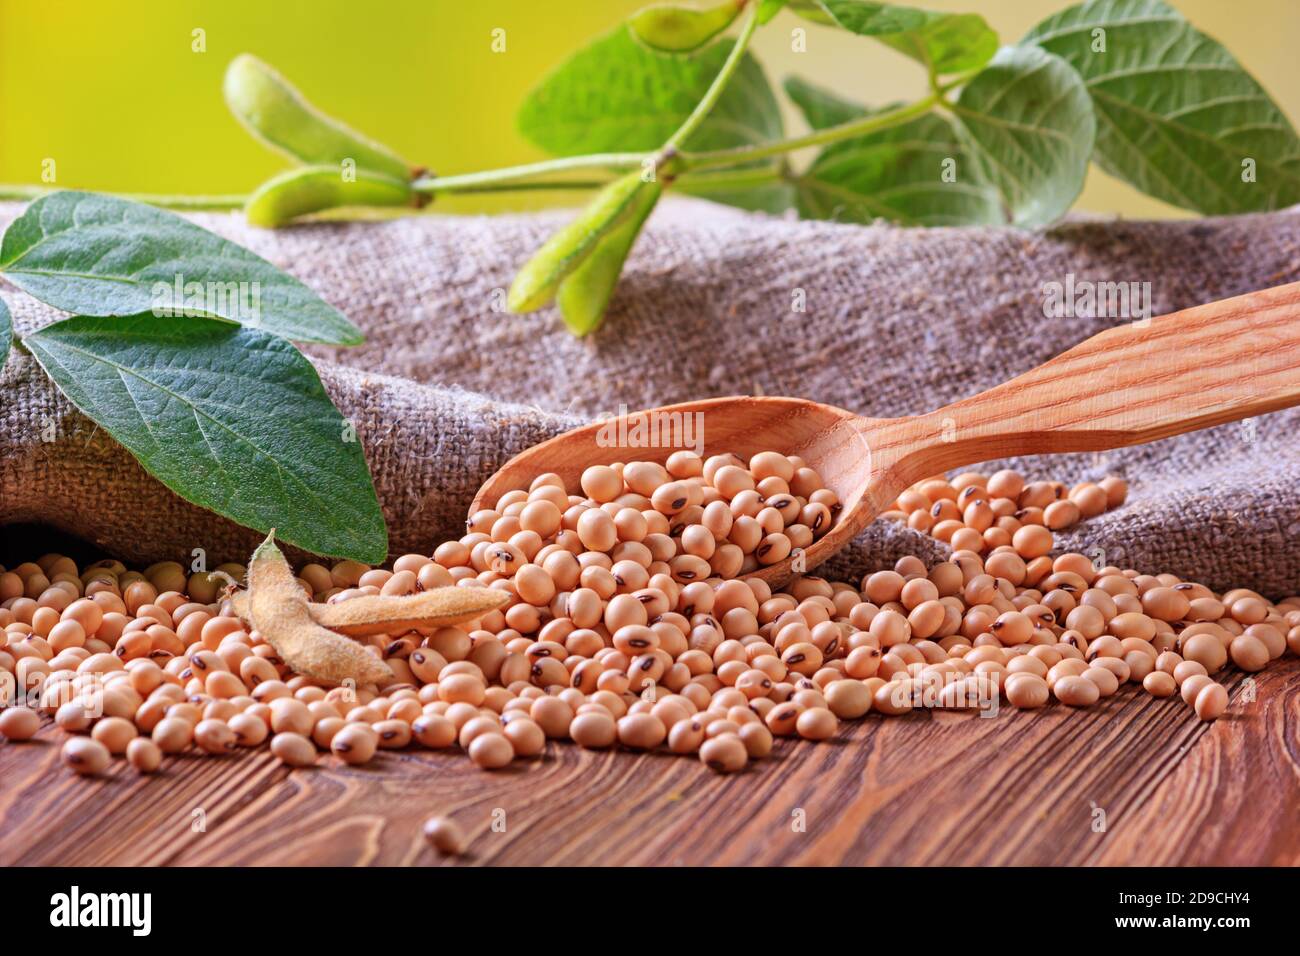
(1177, 115)
(943, 42)
(812, 11)
(917, 173)
(673, 29)
(820, 107)
(536, 283)
(276, 113)
(870, 19)
(308, 189)
(6, 334)
(231, 419)
(100, 255)
(767, 9)
(585, 293)
(616, 95)
(948, 43)
(1027, 122)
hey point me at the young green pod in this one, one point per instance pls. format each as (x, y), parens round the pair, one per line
(309, 189)
(674, 29)
(585, 293)
(536, 283)
(276, 113)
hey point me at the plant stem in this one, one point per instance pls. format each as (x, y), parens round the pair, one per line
(743, 178)
(711, 159)
(820, 137)
(557, 184)
(714, 92)
(25, 193)
(509, 174)
(217, 203)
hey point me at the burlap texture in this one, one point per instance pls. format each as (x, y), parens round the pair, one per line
(894, 321)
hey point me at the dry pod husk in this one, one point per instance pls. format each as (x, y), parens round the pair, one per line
(382, 614)
(279, 609)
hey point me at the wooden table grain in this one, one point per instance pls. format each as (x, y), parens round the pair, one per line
(1132, 781)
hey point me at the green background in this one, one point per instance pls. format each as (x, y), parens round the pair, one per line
(114, 93)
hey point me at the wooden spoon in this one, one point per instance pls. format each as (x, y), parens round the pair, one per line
(1128, 385)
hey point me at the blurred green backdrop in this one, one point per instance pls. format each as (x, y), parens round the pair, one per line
(115, 94)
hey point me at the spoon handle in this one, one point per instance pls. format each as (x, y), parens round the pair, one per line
(1132, 384)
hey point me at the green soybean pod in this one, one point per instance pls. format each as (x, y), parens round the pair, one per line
(536, 283)
(276, 113)
(674, 29)
(585, 293)
(308, 189)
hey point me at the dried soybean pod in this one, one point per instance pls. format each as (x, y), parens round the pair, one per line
(309, 189)
(381, 614)
(536, 283)
(280, 612)
(585, 293)
(276, 113)
(674, 29)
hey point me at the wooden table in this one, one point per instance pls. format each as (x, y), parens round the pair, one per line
(1030, 787)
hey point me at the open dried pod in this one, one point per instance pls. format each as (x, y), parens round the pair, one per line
(279, 609)
(384, 614)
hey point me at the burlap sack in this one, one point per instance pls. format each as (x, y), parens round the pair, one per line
(881, 320)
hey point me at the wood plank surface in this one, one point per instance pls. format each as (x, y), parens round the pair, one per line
(934, 787)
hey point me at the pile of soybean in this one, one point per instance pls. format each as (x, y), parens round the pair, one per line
(628, 626)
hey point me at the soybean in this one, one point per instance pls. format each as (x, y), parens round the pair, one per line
(86, 756)
(445, 836)
(143, 754)
(1211, 702)
(724, 754)
(19, 723)
(293, 750)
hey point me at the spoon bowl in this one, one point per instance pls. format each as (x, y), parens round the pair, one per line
(831, 440)
(1128, 385)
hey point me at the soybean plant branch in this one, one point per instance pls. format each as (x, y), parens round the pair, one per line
(22, 193)
(707, 169)
(689, 162)
(515, 174)
(821, 137)
(28, 193)
(714, 92)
